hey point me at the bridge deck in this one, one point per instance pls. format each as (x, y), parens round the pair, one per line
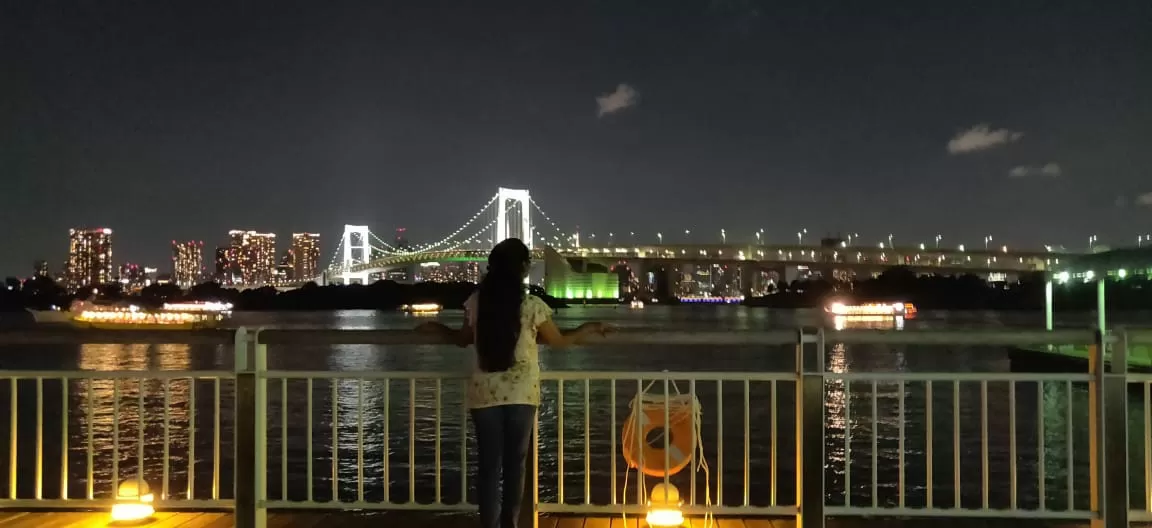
(10, 519)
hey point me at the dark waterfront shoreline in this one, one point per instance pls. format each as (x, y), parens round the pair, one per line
(966, 292)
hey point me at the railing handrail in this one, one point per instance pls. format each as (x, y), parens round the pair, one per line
(625, 336)
(75, 336)
(117, 374)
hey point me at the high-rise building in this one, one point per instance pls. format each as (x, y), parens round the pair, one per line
(187, 263)
(402, 239)
(285, 270)
(132, 277)
(41, 269)
(305, 256)
(254, 255)
(225, 272)
(89, 257)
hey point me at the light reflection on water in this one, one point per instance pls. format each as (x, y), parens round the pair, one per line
(358, 411)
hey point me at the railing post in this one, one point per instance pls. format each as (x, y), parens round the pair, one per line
(1108, 422)
(530, 504)
(251, 406)
(810, 432)
(1048, 303)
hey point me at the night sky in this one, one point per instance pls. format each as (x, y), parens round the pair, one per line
(1030, 121)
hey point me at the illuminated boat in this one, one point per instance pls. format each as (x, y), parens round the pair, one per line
(871, 309)
(199, 307)
(421, 308)
(710, 299)
(132, 317)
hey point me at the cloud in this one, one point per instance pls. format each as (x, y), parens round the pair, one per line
(1026, 171)
(624, 97)
(1144, 199)
(981, 137)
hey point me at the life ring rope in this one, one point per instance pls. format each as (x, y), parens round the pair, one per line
(697, 461)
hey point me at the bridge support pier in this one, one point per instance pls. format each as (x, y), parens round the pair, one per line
(348, 278)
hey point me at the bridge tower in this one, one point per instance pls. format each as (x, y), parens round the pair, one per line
(518, 227)
(357, 250)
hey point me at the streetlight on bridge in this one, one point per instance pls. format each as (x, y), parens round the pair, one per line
(758, 237)
(723, 237)
(800, 235)
(987, 239)
(938, 237)
(889, 239)
(687, 232)
(660, 238)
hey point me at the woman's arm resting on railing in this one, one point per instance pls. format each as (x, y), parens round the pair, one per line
(549, 334)
(461, 337)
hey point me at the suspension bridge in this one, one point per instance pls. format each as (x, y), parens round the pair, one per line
(362, 255)
(507, 214)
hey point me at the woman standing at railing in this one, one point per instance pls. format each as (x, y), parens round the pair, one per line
(505, 324)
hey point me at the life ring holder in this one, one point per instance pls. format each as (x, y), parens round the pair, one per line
(695, 457)
(653, 418)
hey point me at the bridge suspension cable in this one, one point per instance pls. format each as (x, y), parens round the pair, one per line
(387, 249)
(450, 238)
(335, 263)
(475, 237)
(564, 237)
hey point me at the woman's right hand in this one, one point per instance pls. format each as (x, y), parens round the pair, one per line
(597, 328)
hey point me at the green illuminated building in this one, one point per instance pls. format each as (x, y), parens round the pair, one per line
(563, 282)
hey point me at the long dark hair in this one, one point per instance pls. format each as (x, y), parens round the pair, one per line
(498, 311)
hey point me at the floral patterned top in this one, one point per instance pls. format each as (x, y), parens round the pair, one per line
(521, 383)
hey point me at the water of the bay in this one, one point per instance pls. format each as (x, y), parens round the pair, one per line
(411, 418)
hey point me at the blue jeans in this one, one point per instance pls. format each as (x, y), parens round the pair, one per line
(503, 434)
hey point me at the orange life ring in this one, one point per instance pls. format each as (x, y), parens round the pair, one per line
(644, 431)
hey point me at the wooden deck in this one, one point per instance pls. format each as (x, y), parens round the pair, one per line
(426, 520)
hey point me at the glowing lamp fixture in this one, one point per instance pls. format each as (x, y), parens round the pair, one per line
(664, 506)
(133, 502)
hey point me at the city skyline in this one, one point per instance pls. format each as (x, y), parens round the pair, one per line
(254, 257)
(735, 114)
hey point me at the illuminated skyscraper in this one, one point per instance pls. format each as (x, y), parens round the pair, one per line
(305, 256)
(132, 277)
(187, 263)
(402, 239)
(254, 255)
(226, 270)
(89, 257)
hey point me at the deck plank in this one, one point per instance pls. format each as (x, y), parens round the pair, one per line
(598, 522)
(631, 522)
(10, 517)
(569, 521)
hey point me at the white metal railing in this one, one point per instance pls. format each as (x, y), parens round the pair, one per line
(97, 429)
(812, 440)
(1139, 439)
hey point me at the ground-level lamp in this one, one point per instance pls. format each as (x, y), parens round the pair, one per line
(133, 502)
(664, 507)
